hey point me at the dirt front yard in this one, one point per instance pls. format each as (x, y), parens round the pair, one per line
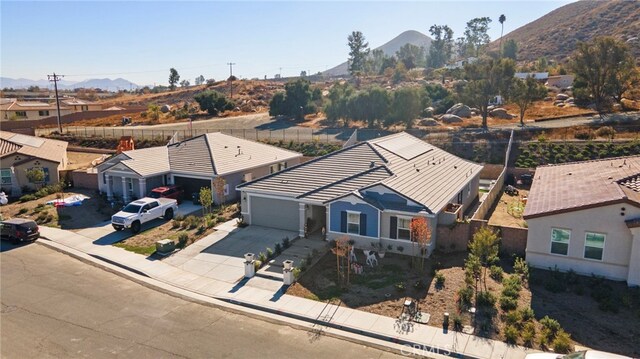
(509, 208)
(383, 289)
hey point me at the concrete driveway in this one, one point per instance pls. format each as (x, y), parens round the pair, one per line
(104, 234)
(220, 255)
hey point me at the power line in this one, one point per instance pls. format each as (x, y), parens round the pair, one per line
(55, 78)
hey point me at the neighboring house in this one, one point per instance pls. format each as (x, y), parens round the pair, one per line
(585, 217)
(369, 191)
(19, 153)
(28, 110)
(81, 105)
(192, 164)
(560, 81)
(540, 76)
(460, 63)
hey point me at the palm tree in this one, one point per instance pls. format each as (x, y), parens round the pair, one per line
(501, 19)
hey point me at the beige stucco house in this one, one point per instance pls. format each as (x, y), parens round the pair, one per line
(19, 153)
(30, 110)
(585, 217)
(77, 105)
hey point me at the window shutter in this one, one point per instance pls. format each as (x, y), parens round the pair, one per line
(363, 224)
(343, 221)
(393, 228)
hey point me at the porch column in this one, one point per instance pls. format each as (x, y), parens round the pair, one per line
(302, 216)
(109, 181)
(143, 187)
(633, 278)
(125, 190)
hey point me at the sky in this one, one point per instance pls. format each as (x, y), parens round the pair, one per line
(141, 40)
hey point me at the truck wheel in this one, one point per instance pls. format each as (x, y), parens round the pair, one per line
(135, 227)
(117, 228)
(168, 214)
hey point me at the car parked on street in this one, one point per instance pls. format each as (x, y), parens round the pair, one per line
(19, 230)
(141, 211)
(174, 192)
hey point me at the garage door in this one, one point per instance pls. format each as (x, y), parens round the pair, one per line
(191, 185)
(274, 213)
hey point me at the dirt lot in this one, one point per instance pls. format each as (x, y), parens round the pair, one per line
(375, 291)
(81, 160)
(195, 226)
(93, 210)
(508, 209)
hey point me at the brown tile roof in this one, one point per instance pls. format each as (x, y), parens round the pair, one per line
(578, 185)
(30, 106)
(7, 147)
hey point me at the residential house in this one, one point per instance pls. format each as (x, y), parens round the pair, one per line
(30, 110)
(540, 76)
(460, 63)
(560, 81)
(19, 153)
(585, 217)
(369, 191)
(192, 164)
(81, 105)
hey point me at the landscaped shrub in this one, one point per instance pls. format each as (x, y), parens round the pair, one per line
(486, 299)
(513, 317)
(27, 198)
(529, 334)
(457, 322)
(606, 132)
(521, 268)
(550, 324)
(465, 296)
(23, 211)
(286, 242)
(527, 313)
(262, 257)
(278, 248)
(562, 342)
(269, 253)
(511, 334)
(584, 135)
(508, 303)
(175, 224)
(496, 273)
(256, 265)
(439, 279)
(183, 237)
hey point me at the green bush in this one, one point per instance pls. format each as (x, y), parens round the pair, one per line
(550, 324)
(175, 224)
(513, 317)
(27, 198)
(584, 135)
(521, 268)
(606, 131)
(286, 242)
(183, 237)
(527, 313)
(562, 342)
(511, 334)
(278, 248)
(457, 322)
(496, 273)
(269, 253)
(465, 296)
(440, 279)
(486, 299)
(508, 303)
(262, 257)
(23, 211)
(529, 334)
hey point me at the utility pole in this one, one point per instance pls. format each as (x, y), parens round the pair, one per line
(231, 78)
(55, 78)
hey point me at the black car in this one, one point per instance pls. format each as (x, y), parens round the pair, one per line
(19, 230)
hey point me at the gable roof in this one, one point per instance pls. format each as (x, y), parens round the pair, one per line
(147, 161)
(580, 185)
(44, 148)
(29, 106)
(405, 164)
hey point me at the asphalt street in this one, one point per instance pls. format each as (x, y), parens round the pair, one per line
(54, 306)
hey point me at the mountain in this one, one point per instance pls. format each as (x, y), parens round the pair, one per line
(104, 84)
(390, 48)
(555, 34)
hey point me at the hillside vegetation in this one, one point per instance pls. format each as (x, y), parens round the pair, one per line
(555, 34)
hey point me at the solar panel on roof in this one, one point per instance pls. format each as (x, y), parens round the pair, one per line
(26, 140)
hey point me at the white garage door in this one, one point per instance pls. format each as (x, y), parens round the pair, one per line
(275, 213)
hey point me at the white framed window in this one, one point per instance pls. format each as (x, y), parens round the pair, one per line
(560, 241)
(594, 245)
(353, 222)
(404, 228)
(43, 113)
(5, 176)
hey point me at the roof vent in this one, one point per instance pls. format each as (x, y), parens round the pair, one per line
(455, 167)
(569, 174)
(372, 164)
(417, 170)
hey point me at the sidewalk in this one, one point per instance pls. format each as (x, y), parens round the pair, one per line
(267, 296)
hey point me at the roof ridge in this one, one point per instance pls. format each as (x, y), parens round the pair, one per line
(369, 170)
(589, 161)
(213, 161)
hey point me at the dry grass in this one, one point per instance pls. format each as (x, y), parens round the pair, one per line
(508, 209)
(80, 160)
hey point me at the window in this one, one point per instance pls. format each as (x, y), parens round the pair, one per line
(460, 197)
(43, 113)
(277, 167)
(226, 189)
(594, 245)
(560, 241)
(353, 222)
(84, 108)
(20, 114)
(5, 176)
(404, 228)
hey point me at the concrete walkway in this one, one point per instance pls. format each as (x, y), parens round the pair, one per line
(268, 296)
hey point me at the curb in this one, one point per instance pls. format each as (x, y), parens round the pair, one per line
(391, 345)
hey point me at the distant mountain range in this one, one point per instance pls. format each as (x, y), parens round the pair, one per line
(104, 84)
(555, 34)
(390, 48)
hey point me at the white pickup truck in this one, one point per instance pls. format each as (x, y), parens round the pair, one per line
(143, 210)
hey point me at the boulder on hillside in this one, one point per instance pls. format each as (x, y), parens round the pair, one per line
(500, 113)
(428, 122)
(428, 112)
(165, 108)
(562, 96)
(449, 118)
(460, 110)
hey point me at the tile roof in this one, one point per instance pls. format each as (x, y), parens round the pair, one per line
(8, 147)
(220, 154)
(148, 161)
(412, 167)
(573, 186)
(51, 150)
(30, 106)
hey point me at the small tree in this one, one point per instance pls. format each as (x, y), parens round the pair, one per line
(524, 92)
(420, 235)
(213, 102)
(218, 185)
(199, 80)
(173, 78)
(206, 199)
(153, 111)
(185, 83)
(358, 52)
(484, 246)
(36, 176)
